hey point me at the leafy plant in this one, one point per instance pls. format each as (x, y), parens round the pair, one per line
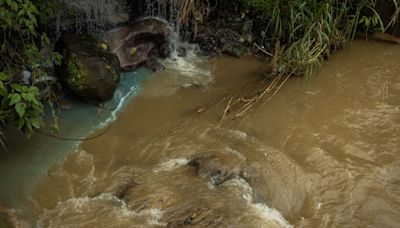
(373, 22)
(21, 103)
(370, 24)
(20, 45)
(303, 33)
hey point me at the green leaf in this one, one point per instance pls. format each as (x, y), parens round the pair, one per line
(14, 6)
(20, 108)
(57, 58)
(7, 18)
(28, 124)
(33, 89)
(4, 76)
(20, 123)
(27, 97)
(16, 87)
(3, 90)
(44, 39)
(14, 98)
(36, 122)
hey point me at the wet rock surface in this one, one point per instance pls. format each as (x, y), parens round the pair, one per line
(9, 219)
(120, 12)
(88, 70)
(134, 44)
(218, 168)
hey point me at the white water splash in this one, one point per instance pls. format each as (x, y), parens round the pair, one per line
(235, 152)
(171, 165)
(189, 65)
(80, 211)
(270, 214)
(238, 134)
(126, 90)
(262, 210)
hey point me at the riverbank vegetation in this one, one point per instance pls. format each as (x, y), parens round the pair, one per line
(296, 36)
(21, 64)
(304, 33)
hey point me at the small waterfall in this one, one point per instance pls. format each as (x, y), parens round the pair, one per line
(91, 16)
(184, 15)
(168, 10)
(185, 59)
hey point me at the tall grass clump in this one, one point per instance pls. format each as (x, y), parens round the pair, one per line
(302, 33)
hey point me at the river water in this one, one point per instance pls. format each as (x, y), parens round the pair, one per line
(319, 154)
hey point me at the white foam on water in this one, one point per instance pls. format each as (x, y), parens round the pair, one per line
(238, 134)
(269, 213)
(123, 100)
(171, 164)
(190, 65)
(103, 203)
(87, 158)
(247, 190)
(261, 209)
(155, 215)
(235, 152)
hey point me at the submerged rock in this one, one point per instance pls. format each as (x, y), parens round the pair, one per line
(133, 44)
(196, 217)
(9, 219)
(218, 168)
(88, 70)
(154, 65)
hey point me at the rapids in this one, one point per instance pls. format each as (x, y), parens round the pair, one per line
(323, 153)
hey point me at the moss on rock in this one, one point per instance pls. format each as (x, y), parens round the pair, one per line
(87, 69)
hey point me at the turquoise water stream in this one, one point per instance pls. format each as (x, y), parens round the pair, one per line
(20, 166)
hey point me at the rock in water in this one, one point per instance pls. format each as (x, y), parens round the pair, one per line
(219, 168)
(10, 219)
(133, 44)
(88, 70)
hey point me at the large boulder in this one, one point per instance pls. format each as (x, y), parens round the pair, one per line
(87, 69)
(134, 44)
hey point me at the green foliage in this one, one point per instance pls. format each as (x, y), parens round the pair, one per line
(20, 45)
(308, 31)
(76, 76)
(21, 103)
(372, 23)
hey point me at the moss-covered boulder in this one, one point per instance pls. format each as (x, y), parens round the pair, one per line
(87, 69)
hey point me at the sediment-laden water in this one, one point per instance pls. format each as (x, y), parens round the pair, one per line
(319, 154)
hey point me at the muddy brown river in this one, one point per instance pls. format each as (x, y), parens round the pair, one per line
(320, 154)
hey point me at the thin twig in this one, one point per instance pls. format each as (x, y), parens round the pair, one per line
(228, 107)
(263, 50)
